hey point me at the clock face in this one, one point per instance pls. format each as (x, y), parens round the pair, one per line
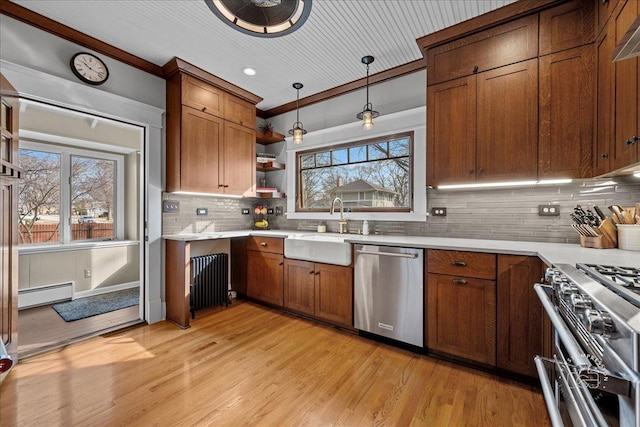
(89, 68)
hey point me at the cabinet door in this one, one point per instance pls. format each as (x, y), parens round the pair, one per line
(604, 8)
(566, 114)
(451, 132)
(200, 145)
(519, 314)
(334, 294)
(202, 96)
(265, 277)
(299, 285)
(566, 26)
(239, 111)
(238, 171)
(461, 317)
(507, 144)
(604, 101)
(626, 95)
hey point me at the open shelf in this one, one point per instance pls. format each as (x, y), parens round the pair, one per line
(269, 166)
(274, 195)
(270, 137)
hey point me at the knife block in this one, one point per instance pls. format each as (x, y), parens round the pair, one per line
(607, 239)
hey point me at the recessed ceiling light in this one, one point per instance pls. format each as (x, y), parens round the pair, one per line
(249, 71)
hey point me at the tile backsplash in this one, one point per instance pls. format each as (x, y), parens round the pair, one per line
(505, 214)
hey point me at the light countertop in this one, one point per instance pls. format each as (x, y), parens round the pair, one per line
(550, 253)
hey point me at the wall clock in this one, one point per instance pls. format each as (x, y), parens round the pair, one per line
(89, 68)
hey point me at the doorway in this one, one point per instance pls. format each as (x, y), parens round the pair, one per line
(81, 212)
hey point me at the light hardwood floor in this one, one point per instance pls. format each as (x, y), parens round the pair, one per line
(247, 365)
(42, 328)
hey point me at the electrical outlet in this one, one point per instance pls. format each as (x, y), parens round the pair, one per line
(549, 210)
(270, 211)
(245, 211)
(439, 211)
(170, 206)
(87, 274)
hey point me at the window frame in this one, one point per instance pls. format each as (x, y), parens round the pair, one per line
(355, 143)
(66, 152)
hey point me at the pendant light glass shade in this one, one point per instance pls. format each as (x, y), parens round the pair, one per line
(297, 131)
(368, 113)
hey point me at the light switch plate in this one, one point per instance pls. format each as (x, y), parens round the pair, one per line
(202, 211)
(170, 206)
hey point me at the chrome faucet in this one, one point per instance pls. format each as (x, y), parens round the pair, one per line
(342, 222)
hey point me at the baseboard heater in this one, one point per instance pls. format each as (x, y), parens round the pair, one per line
(43, 295)
(209, 281)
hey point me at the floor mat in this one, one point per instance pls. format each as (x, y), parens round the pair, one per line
(99, 304)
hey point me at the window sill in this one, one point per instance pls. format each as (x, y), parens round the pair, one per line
(371, 216)
(58, 247)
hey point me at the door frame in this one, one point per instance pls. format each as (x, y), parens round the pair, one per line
(42, 87)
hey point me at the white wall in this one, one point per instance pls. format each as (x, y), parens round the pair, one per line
(36, 63)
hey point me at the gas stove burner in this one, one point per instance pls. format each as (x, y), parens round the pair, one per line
(625, 281)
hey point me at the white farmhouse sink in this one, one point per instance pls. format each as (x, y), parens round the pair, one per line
(327, 249)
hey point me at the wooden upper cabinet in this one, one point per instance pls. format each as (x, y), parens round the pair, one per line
(501, 45)
(566, 114)
(604, 106)
(566, 26)
(507, 123)
(451, 129)
(238, 169)
(202, 96)
(200, 151)
(239, 111)
(604, 9)
(625, 126)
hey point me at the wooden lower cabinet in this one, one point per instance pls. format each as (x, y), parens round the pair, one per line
(265, 277)
(520, 314)
(320, 290)
(461, 317)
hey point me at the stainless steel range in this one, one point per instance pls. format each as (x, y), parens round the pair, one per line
(593, 377)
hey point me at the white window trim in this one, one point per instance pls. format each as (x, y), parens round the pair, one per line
(65, 190)
(395, 123)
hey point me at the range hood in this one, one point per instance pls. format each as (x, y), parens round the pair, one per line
(629, 46)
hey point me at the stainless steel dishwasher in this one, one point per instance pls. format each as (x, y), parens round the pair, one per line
(389, 292)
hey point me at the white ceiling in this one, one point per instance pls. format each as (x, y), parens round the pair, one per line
(324, 53)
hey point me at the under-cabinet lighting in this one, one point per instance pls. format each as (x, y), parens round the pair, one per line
(193, 193)
(504, 184)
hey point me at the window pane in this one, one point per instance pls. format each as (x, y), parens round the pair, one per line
(378, 151)
(377, 184)
(92, 198)
(39, 199)
(339, 157)
(399, 148)
(323, 159)
(4, 149)
(358, 154)
(307, 161)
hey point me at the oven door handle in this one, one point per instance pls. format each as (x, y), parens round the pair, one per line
(578, 358)
(548, 393)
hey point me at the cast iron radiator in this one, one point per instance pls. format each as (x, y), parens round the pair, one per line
(209, 281)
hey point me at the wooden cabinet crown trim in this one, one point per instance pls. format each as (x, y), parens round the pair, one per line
(179, 65)
(482, 22)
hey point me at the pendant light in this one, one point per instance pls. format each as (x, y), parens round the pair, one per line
(368, 114)
(297, 130)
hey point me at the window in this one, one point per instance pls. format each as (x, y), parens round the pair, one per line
(372, 175)
(68, 195)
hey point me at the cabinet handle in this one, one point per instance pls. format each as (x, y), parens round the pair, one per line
(459, 281)
(220, 185)
(604, 156)
(282, 263)
(263, 244)
(312, 272)
(317, 273)
(480, 170)
(459, 263)
(204, 109)
(605, 2)
(225, 186)
(469, 171)
(475, 69)
(631, 141)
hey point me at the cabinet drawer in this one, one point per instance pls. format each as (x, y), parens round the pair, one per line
(266, 244)
(239, 111)
(502, 45)
(202, 96)
(465, 264)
